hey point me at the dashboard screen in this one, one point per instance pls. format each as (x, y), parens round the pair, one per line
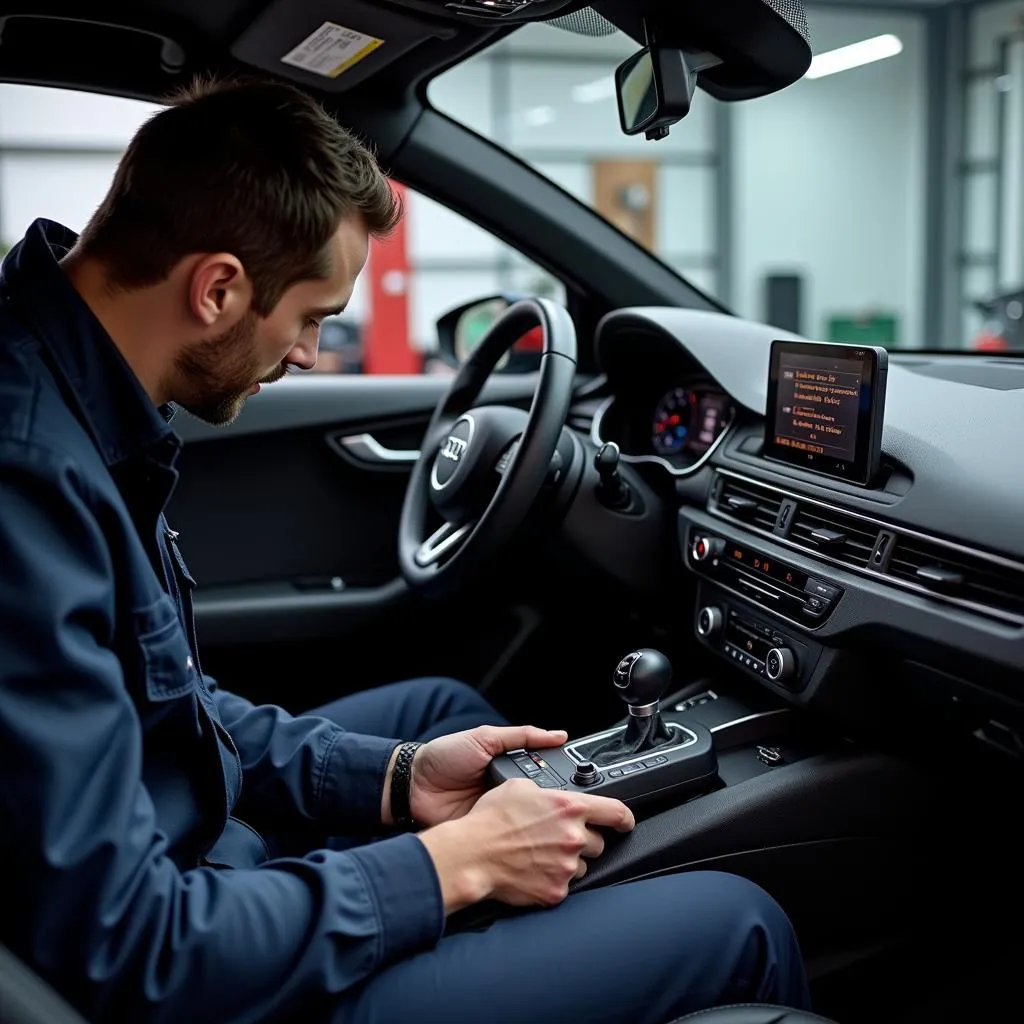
(825, 408)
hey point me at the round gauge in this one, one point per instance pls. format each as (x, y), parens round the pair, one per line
(675, 421)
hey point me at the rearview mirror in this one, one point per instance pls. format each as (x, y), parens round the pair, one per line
(763, 45)
(655, 88)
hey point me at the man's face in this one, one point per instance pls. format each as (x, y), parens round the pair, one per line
(216, 375)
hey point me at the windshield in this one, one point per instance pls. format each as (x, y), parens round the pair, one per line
(878, 200)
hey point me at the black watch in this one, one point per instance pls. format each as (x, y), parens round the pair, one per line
(401, 785)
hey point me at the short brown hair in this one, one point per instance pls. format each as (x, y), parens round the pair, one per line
(255, 168)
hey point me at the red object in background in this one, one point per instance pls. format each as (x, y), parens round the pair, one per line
(531, 341)
(385, 335)
(985, 342)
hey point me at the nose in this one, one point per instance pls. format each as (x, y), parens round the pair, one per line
(303, 355)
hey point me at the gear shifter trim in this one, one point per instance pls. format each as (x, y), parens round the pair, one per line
(643, 710)
(686, 739)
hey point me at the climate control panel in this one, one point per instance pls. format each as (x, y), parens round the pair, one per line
(752, 642)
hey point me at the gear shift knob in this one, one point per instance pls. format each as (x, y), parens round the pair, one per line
(642, 678)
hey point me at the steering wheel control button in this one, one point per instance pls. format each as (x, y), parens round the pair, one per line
(709, 621)
(586, 774)
(506, 458)
(780, 664)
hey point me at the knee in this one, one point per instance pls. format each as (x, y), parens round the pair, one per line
(451, 697)
(740, 898)
(765, 952)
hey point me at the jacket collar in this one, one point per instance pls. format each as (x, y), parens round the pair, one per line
(112, 403)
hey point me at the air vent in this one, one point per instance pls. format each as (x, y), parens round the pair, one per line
(836, 534)
(758, 506)
(972, 579)
(953, 573)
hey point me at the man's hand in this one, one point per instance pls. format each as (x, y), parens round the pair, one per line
(448, 773)
(521, 844)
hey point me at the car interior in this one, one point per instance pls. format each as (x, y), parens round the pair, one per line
(774, 591)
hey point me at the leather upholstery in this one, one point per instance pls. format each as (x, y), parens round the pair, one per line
(750, 1013)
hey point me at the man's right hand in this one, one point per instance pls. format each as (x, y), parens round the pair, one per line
(521, 844)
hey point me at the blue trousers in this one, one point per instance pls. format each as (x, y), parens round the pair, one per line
(640, 953)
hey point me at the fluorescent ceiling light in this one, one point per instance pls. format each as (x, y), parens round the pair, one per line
(593, 92)
(535, 117)
(867, 51)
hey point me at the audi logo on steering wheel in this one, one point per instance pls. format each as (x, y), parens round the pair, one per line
(453, 448)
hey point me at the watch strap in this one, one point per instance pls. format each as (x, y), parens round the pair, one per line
(401, 785)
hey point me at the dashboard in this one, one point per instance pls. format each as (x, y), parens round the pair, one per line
(802, 579)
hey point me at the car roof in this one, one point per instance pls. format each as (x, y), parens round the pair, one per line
(146, 48)
(365, 53)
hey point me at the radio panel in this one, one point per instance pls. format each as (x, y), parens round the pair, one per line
(774, 584)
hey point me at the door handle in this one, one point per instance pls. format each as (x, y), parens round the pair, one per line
(366, 448)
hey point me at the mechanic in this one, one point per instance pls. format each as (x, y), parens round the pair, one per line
(135, 792)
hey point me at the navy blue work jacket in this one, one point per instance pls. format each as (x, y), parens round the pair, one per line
(133, 874)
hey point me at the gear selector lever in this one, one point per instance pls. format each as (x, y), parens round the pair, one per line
(645, 758)
(641, 679)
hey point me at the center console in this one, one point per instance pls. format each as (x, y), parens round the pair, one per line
(652, 755)
(758, 611)
(728, 770)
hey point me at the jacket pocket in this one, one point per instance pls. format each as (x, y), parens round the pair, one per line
(167, 660)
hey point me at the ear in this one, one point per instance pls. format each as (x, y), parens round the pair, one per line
(219, 291)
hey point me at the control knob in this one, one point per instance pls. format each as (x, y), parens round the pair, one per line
(709, 620)
(586, 774)
(780, 664)
(705, 548)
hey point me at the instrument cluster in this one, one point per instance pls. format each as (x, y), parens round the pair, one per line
(688, 420)
(676, 427)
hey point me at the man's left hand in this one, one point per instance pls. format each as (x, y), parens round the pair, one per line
(448, 773)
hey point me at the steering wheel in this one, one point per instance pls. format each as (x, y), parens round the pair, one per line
(480, 469)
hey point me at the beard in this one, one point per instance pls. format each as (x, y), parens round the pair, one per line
(214, 376)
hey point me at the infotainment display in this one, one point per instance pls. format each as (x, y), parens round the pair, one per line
(825, 408)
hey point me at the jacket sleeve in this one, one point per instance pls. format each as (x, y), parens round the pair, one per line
(304, 770)
(91, 899)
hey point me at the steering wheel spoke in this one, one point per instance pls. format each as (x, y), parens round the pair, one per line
(443, 543)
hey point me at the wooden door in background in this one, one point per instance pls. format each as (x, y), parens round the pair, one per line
(625, 193)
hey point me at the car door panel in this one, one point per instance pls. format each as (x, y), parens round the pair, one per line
(288, 517)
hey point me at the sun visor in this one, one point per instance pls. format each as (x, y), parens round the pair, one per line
(764, 45)
(332, 45)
